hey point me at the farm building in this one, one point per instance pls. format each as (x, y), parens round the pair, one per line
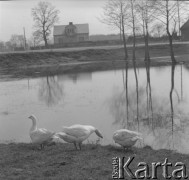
(71, 33)
(185, 31)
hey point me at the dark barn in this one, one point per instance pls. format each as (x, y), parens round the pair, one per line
(185, 31)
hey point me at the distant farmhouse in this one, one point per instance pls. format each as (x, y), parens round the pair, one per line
(185, 31)
(71, 33)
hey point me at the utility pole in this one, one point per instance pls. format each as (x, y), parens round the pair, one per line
(24, 39)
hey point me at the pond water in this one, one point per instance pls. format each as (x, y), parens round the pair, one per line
(98, 99)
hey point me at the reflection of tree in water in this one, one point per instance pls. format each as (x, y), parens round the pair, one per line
(181, 82)
(165, 123)
(118, 104)
(171, 94)
(50, 91)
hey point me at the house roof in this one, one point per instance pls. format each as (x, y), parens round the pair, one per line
(81, 28)
(185, 25)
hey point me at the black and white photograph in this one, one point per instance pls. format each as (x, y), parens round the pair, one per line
(94, 89)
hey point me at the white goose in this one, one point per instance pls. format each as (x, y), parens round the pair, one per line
(77, 134)
(126, 138)
(40, 135)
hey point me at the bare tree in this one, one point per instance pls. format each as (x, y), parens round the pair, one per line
(45, 16)
(146, 9)
(9, 46)
(168, 16)
(37, 38)
(133, 24)
(116, 14)
(34, 41)
(17, 40)
(158, 29)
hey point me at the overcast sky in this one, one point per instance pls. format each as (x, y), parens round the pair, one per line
(14, 15)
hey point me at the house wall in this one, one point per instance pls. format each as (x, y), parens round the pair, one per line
(185, 34)
(63, 39)
(82, 37)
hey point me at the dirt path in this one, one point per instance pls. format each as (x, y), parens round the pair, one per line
(108, 47)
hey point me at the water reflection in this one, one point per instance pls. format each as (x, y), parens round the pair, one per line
(169, 125)
(149, 91)
(181, 82)
(165, 123)
(80, 99)
(171, 95)
(50, 91)
(76, 77)
(117, 105)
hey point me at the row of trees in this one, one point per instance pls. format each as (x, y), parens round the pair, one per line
(134, 17)
(15, 42)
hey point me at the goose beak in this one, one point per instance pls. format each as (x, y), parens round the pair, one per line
(31, 117)
(98, 133)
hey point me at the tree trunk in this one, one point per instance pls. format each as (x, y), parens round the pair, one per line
(134, 60)
(126, 65)
(124, 42)
(171, 47)
(126, 73)
(120, 32)
(171, 94)
(133, 22)
(147, 55)
(45, 40)
(147, 65)
(169, 35)
(44, 37)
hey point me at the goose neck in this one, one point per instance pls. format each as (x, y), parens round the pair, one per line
(34, 124)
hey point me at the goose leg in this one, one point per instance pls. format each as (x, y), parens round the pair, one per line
(42, 146)
(80, 146)
(75, 145)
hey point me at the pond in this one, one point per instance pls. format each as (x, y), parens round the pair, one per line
(99, 99)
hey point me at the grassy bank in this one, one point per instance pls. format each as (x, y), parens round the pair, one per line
(49, 63)
(62, 161)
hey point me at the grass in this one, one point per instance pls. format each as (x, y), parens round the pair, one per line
(35, 64)
(62, 161)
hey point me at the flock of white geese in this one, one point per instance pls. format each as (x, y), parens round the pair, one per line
(76, 134)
